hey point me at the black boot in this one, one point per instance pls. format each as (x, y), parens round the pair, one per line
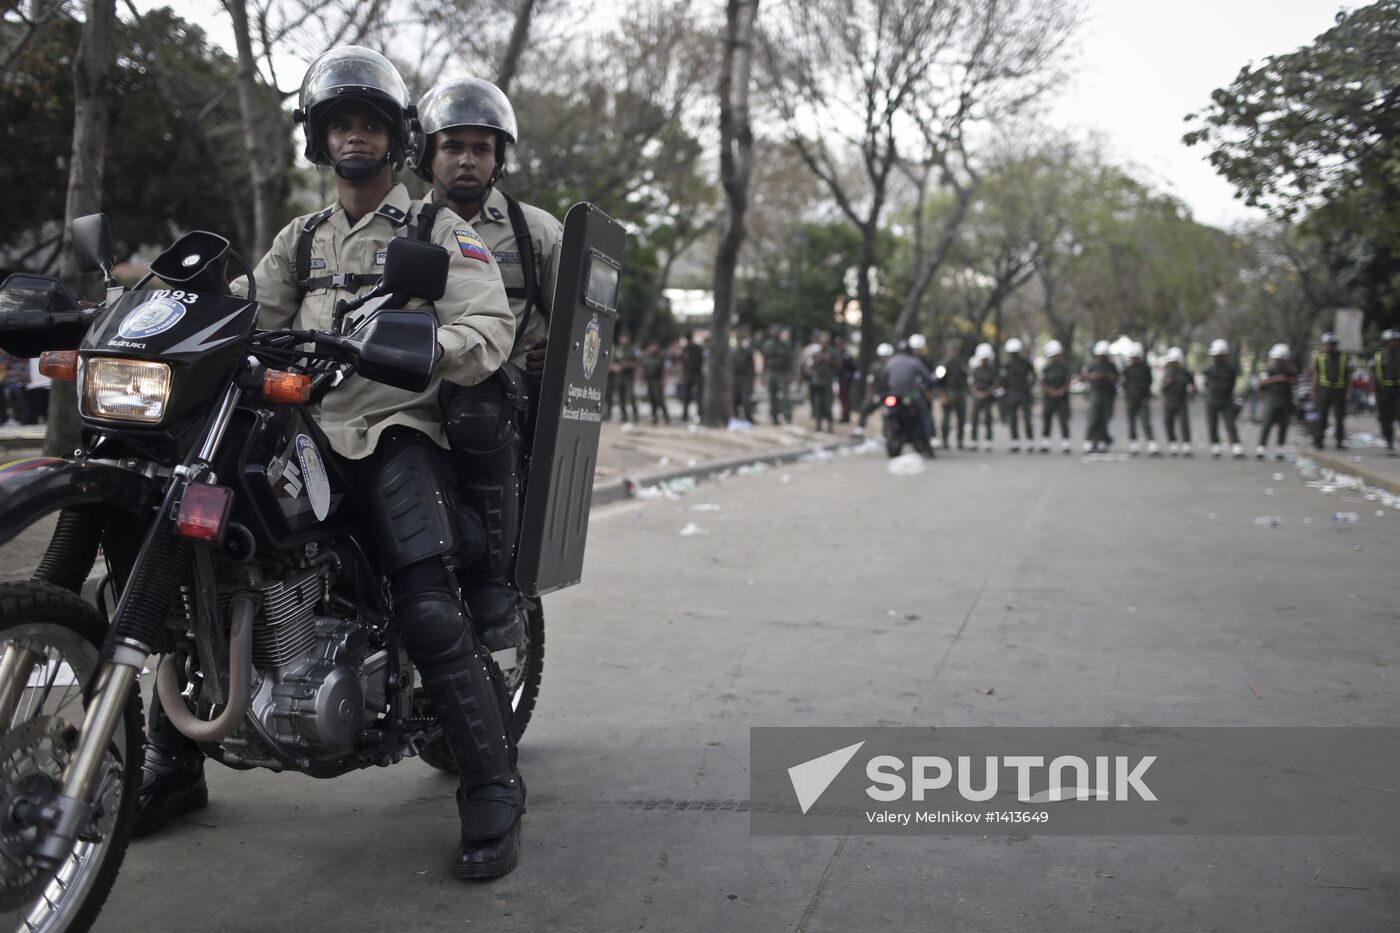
(475, 715)
(172, 775)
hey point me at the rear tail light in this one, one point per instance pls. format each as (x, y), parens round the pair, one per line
(891, 401)
(203, 514)
(59, 364)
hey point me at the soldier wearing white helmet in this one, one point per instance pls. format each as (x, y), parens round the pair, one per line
(1220, 377)
(876, 384)
(1277, 389)
(952, 381)
(1137, 391)
(1102, 377)
(983, 384)
(1178, 387)
(1054, 389)
(1017, 381)
(1385, 369)
(1331, 374)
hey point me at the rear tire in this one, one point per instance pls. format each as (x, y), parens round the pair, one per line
(48, 617)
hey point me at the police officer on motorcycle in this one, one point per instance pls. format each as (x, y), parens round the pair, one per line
(467, 125)
(391, 442)
(906, 375)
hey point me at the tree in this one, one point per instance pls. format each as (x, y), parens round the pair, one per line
(735, 167)
(91, 68)
(898, 81)
(1315, 134)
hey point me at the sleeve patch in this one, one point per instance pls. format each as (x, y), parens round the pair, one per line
(471, 246)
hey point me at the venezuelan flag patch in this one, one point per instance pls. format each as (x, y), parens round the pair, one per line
(471, 246)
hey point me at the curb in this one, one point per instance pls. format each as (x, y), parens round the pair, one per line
(1368, 475)
(616, 490)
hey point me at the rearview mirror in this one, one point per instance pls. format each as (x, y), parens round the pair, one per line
(92, 244)
(416, 269)
(38, 313)
(398, 348)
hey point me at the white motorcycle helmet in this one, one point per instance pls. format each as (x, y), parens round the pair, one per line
(984, 351)
(1054, 348)
(917, 342)
(884, 350)
(1101, 348)
(1279, 351)
(1219, 348)
(1013, 345)
(1174, 355)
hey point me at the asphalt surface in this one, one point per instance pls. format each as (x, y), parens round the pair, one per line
(991, 589)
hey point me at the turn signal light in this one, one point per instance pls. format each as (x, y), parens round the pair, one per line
(59, 364)
(204, 512)
(280, 386)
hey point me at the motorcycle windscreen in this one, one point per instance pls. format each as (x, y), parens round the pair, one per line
(569, 412)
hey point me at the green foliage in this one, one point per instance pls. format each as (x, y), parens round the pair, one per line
(804, 285)
(174, 150)
(1314, 136)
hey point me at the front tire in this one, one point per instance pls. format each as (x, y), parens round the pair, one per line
(68, 633)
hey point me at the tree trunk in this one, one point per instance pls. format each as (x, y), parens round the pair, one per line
(519, 34)
(91, 71)
(261, 155)
(865, 295)
(735, 166)
(928, 266)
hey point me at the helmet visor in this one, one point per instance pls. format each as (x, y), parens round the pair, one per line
(467, 102)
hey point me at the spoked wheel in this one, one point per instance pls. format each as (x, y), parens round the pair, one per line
(53, 637)
(521, 676)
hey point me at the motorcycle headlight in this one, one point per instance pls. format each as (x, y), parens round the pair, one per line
(124, 390)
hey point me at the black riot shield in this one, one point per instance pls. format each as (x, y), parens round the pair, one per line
(569, 415)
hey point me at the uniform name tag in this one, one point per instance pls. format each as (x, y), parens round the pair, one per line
(506, 257)
(317, 263)
(380, 257)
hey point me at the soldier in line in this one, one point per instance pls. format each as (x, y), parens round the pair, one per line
(1137, 389)
(1178, 388)
(1385, 369)
(875, 386)
(653, 365)
(742, 370)
(1018, 381)
(777, 370)
(952, 378)
(1054, 388)
(1331, 374)
(1220, 378)
(983, 384)
(847, 372)
(1276, 388)
(692, 376)
(825, 368)
(622, 373)
(1102, 377)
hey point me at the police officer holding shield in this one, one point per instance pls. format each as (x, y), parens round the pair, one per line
(390, 442)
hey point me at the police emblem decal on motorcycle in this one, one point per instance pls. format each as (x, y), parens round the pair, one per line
(150, 318)
(592, 343)
(313, 474)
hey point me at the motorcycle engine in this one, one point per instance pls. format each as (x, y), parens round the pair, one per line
(316, 681)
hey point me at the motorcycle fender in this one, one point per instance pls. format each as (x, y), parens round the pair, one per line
(32, 488)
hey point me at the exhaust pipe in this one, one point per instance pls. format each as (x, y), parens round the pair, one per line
(240, 681)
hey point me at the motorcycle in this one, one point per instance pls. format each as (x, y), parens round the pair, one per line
(231, 549)
(904, 425)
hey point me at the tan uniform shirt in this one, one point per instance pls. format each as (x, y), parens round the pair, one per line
(492, 224)
(475, 327)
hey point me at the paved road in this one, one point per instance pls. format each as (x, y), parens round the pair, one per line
(990, 590)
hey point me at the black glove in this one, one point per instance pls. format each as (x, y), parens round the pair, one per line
(534, 360)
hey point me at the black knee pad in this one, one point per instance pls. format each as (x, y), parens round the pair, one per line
(486, 426)
(434, 629)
